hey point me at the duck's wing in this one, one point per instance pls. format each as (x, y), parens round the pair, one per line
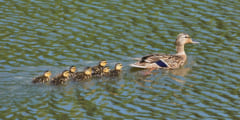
(173, 61)
(37, 79)
(149, 61)
(41, 79)
(78, 76)
(97, 70)
(58, 80)
(159, 61)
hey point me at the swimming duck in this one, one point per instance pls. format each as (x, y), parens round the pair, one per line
(43, 78)
(86, 74)
(61, 78)
(117, 70)
(166, 61)
(72, 71)
(106, 71)
(98, 70)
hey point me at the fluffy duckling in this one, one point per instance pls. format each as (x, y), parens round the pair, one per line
(86, 74)
(117, 70)
(98, 70)
(72, 71)
(105, 72)
(43, 78)
(61, 78)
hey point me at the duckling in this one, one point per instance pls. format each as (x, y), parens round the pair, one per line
(43, 78)
(104, 73)
(98, 70)
(117, 70)
(72, 71)
(61, 78)
(86, 74)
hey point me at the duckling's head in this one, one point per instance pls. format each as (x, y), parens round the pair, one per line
(184, 38)
(106, 69)
(118, 66)
(47, 73)
(103, 63)
(72, 69)
(88, 71)
(65, 73)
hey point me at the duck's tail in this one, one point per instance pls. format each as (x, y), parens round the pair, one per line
(137, 66)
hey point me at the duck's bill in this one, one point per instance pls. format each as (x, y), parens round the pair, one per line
(195, 42)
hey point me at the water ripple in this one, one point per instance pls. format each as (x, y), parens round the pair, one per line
(52, 35)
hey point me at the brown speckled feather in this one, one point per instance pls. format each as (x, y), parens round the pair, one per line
(172, 61)
(72, 74)
(97, 70)
(81, 76)
(60, 79)
(115, 73)
(41, 79)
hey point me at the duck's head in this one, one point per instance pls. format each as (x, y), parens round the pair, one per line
(184, 38)
(118, 66)
(103, 63)
(47, 73)
(72, 69)
(88, 71)
(106, 69)
(65, 73)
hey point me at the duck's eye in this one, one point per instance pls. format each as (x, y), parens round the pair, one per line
(186, 37)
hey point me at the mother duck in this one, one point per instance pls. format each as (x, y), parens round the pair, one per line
(174, 61)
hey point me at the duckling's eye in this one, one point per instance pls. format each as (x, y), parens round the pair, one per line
(186, 37)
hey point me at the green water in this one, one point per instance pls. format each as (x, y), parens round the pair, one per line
(52, 35)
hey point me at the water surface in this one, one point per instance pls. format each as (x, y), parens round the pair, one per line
(53, 35)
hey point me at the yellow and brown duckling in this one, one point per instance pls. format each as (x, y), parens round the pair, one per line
(61, 78)
(98, 70)
(72, 71)
(177, 60)
(117, 70)
(86, 74)
(105, 72)
(43, 78)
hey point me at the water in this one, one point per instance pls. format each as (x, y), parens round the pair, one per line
(53, 35)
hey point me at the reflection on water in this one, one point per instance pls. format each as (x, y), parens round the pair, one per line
(52, 35)
(180, 72)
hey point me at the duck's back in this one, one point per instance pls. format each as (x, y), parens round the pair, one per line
(59, 80)
(97, 70)
(115, 73)
(72, 74)
(81, 76)
(40, 79)
(160, 61)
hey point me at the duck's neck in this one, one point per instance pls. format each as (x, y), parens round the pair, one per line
(180, 50)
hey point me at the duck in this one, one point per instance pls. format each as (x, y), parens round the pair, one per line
(86, 74)
(158, 60)
(43, 78)
(98, 70)
(61, 78)
(116, 71)
(72, 71)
